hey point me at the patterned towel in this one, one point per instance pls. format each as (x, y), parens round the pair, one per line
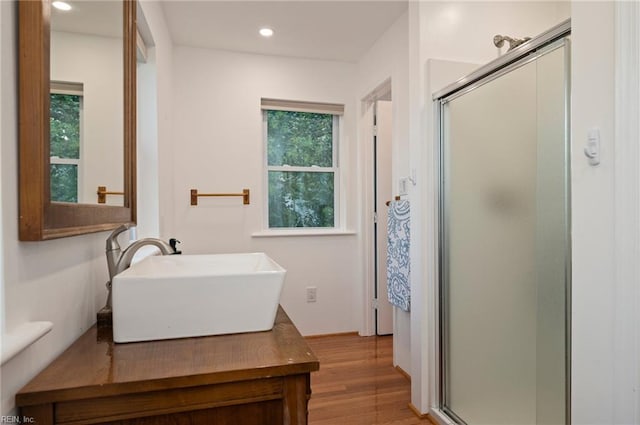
(398, 264)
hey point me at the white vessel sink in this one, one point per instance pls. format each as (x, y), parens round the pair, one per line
(176, 296)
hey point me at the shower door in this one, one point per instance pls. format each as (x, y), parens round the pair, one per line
(504, 271)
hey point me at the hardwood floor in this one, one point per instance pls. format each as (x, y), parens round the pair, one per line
(357, 383)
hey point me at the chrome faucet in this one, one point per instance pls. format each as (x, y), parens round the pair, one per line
(113, 250)
(119, 260)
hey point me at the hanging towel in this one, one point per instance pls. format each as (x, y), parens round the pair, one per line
(398, 265)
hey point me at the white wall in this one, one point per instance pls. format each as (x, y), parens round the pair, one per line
(387, 59)
(605, 349)
(148, 189)
(458, 32)
(463, 31)
(2, 309)
(157, 141)
(96, 62)
(62, 280)
(154, 118)
(627, 206)
(218, 147)
(593, 213)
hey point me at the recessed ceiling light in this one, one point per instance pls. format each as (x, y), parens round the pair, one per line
(266, 32)
(60, 5)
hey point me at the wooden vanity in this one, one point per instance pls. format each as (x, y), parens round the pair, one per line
(260, 378)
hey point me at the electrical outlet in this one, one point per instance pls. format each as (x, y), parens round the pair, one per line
(312, 295)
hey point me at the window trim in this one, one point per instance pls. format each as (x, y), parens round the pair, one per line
(338, 220)
(267, 104)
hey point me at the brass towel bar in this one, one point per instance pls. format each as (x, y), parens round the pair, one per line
(195, 195)
(102, 194)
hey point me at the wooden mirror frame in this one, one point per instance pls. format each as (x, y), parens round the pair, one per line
(39, 218)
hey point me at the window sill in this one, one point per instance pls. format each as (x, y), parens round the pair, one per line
(304, 232)
(22, 337)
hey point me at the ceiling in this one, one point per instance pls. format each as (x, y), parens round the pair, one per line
(329, 30)
(103, 18)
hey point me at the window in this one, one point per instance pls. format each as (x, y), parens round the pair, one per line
(302, 164)
(65, 133)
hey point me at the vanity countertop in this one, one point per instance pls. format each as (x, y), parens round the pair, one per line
(94, 367)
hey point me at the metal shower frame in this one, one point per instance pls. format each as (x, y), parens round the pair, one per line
(515, 58)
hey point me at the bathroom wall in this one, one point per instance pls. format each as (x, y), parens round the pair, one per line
(161, 167)
(155, 110)
(38, 277)
(463, 31)
(456, 32)
(62, 280)
(218, 147)
(388, 58)
(594, 254)
(59, 281)
(96, 62)
(605, 344)
(148, 190)
(2, 309)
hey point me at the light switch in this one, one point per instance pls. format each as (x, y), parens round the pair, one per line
(402, 187)
(592, 149)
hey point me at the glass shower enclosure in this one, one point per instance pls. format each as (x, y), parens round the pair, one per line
(504, 239)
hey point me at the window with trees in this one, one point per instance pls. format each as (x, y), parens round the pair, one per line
(65, 133)
(302, 164)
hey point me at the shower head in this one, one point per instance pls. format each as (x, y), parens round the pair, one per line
(498, 41)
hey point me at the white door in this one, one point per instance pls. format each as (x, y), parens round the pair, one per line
(383, 193)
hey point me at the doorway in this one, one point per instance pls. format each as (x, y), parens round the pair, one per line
(377, 134)
(382, 137)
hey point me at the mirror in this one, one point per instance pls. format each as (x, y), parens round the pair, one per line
(77, 117)
(86, 105)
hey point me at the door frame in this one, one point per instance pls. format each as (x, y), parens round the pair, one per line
(626, 337)
(382, 189)
(368, 237)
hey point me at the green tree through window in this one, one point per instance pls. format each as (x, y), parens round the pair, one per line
(64, 146)
(301, 169)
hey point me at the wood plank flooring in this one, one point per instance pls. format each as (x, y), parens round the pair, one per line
(357, 383)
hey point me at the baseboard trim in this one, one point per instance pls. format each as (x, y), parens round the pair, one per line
(421, 415)
(329, 335)
(403, 373)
